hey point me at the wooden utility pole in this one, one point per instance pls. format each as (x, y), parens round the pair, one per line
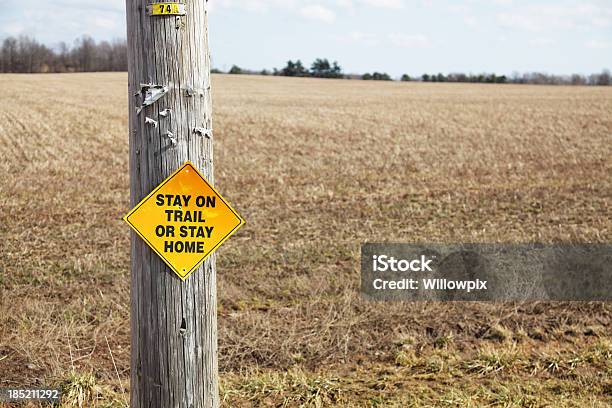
(173, 323)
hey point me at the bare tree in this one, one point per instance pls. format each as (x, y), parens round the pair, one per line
(84, 53)
(9, 55)
(604, 78)
(119, 55)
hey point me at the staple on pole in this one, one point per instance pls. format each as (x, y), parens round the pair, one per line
(190, 91)
(165, 112)
(207, 133)
(171, 136)
(152, 122)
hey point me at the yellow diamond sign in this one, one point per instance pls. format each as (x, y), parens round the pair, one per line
(184, 220)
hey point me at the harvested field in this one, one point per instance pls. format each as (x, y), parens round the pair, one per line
(316, 167)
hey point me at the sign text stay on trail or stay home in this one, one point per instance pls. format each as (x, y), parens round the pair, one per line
(184, 220)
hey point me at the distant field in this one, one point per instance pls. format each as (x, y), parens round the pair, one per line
(315, 167)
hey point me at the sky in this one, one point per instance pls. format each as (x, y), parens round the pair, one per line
(394, 36)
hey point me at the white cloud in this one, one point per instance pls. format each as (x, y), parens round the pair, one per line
(89, 5)
(410, 41)
(458, 8)
(348, 4)
(364, 37)
(598, 45)
(542, 42)
(465, 13)
(470, 21)
(297, 5)
(65, 20)
(14, 28)
(252, 5)
(390, 4)
(562, 16)
(104, 22)
(519, 21)
(319, 13)
(359, 37)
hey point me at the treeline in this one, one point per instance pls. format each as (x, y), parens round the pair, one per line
(604, 78)
(481, 78)
(320, 68)
(26, 55)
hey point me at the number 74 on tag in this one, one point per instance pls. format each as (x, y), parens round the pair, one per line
(166, 9)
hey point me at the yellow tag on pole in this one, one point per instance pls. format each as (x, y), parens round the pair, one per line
(184, 220)
(166, 9)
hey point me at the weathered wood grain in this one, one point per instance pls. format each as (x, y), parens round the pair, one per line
(174, 335)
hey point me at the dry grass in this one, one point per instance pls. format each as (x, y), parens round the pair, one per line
(316, 167)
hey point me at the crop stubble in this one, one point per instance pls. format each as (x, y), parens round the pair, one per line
(315, 167)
